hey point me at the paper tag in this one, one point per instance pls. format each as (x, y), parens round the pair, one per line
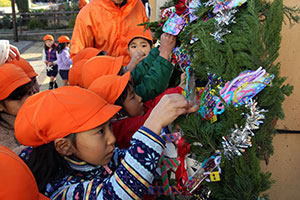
(213, 119)
(215, 176)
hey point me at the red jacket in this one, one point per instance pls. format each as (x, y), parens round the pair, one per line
(124, 129)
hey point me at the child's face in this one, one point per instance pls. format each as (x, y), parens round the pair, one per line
(95, 146)
(139, 44)
(49, 43)
(12, 107)
(133, 103)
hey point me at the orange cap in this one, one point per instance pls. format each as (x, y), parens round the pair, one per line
(100, 66)
(17, 181)
(11, 77)
(85, 53)
(26, 66)
(63, 39)
(39, 120)
(139, 32)
(75, 73)
(48, 37)
(110, 87)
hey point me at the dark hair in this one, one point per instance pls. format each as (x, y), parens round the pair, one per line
(47, 48)
(20, 92)
(17, 94)
(47, 165)
(122, 97)
(61, 47)
(149, 41)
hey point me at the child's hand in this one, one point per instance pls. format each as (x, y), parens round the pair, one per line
(13, 53)
(47, 63)
(50, 63)
(136, 59)
(167, 43)
(182, 80)
(167, 110)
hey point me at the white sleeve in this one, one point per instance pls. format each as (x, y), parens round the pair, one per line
(44, 56)
(4, 51)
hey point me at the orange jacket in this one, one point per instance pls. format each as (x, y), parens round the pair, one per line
(103, 25)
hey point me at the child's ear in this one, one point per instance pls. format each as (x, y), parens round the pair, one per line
(64, 146)
(1, 107)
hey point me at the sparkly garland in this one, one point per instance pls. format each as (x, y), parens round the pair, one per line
(240, 138)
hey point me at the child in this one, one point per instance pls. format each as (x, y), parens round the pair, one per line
(99, 66)
(105, 24)
(63, 58)
(85, 53)
(17, 181)
(151, 69)
(75, 73)
(77, 159)
(28, 69)
(119, 90)
(151, 79)
(49, 57)
(15, 87)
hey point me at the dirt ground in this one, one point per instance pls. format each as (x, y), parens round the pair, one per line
(285, 163)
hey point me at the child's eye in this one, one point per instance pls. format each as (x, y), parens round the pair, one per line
(144, 46)
(133, 47)
(101, 131)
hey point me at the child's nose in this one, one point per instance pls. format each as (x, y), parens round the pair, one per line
(111, 139)
(138, 98)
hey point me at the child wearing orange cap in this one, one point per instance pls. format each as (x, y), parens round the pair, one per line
(15, 87)
(147, 84)
(151, 69)
(77, 159)
(119, 90)
(50, 59)
(17, 181)
(28, 69)
(63, 58)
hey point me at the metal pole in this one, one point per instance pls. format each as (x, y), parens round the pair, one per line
(16, 39)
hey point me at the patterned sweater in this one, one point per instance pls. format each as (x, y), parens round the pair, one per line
(127, 176)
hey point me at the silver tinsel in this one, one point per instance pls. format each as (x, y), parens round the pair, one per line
(224, 17)
(239, 140)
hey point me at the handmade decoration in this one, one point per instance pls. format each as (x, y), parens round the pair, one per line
(239, 140)
(174, 24)
(202, 173)
(244, 87)
(208, 97)
(181, 57)
(193, 6)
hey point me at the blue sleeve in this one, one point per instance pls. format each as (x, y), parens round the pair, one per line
(130, 180)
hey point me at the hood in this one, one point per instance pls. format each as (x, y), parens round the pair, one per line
(111, 6)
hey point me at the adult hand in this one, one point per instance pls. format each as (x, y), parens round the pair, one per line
(167, 43)
(167, 110)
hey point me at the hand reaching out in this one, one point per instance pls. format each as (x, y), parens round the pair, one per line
(167, 43)
(167, 110)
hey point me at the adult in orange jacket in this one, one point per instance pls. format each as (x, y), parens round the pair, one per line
(105, 24)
